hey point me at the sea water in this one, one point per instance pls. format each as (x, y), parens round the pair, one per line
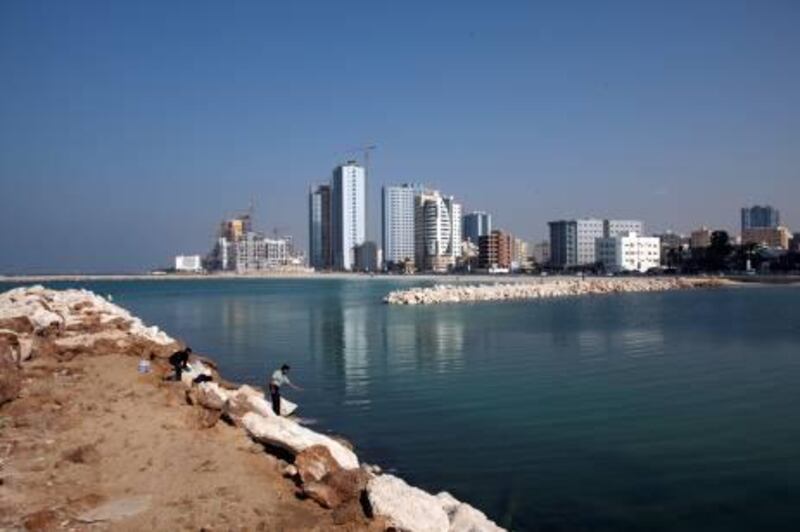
(661, 411)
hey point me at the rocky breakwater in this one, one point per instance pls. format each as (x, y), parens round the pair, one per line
(544, 289)
(35, 321)
(62, 325)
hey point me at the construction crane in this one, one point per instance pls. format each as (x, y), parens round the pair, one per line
(365, 152)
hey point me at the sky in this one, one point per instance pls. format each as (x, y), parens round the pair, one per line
(129, 129)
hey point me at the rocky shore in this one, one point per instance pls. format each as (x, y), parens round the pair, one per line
(87, 442)
(545, 288)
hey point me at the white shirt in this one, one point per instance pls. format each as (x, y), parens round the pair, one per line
(279, 379)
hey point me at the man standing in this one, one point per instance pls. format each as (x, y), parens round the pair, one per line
(278, 379)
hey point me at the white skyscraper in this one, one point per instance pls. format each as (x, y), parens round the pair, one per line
(348, 214)
(456, 227)
(437, 227)
(398, 223)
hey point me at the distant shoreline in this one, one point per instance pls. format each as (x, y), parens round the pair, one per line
(439, 278)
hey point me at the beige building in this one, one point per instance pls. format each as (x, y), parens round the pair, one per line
(771, 237)
(701, 238)
(520, 256)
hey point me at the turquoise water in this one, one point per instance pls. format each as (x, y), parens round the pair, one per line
(671, 411)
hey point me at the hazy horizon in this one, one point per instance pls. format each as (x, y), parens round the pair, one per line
(128, 131)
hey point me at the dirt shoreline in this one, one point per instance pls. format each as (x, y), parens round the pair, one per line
(90, 431)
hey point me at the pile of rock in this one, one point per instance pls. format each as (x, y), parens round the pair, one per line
(330, 473)
(455, 293)
(36, 321)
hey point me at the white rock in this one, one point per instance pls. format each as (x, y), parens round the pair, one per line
(211, 395)
(242, 401)
(43, 319)
(448, 503)
(196, 369)
(468, 519)
(71, 308)
(258, 403)
(407, 508)
(286, 434)
(546, 289)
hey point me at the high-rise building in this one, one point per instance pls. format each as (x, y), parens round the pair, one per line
(758, 217)
(629, 252)
(476, 224)
(397, 210)
(437, 228)
(456, 226)
(495, 250)
(319, 227)
(348, 213)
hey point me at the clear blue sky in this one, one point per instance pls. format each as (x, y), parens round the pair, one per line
(128, 129)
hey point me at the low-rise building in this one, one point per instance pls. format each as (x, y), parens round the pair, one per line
(188, 263)
(771, 237)
(541, 253)
(573, 242)
(673, 247)
(700, 238)
(794, 243)
(629, 252)
(366, 257)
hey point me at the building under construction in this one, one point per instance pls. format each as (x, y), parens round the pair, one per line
(240, 249)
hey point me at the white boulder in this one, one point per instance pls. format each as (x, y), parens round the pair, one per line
(43, 319)
(196, 369)
(468, 519)
(211, 395)
(254, 401)
(408, 509)
(448, 503)
(286, 434)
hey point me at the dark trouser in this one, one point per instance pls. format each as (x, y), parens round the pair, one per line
(275, 396)
(178, 372)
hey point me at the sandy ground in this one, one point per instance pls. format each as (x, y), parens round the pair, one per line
(93, 445)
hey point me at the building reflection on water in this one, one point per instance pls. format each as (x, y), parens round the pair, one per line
(427, 340)
(359, 341)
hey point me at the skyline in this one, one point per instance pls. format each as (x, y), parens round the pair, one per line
(128, 131)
